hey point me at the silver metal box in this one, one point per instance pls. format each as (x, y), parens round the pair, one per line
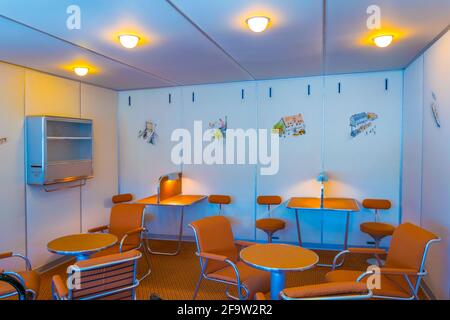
(58, 149)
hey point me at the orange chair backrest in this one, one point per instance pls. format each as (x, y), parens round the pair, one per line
(120, 198)
(214, 235)
(106, 274)
(124, 218)
(269, 200)
(219, 199)
(379, 204)
(408, 246)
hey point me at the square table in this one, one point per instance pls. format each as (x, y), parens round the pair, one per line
(179, 200)
(344, 205)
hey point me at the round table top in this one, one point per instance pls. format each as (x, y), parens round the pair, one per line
(279, 257)
(82, 243)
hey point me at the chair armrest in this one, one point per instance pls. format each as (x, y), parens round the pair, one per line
(5, 255)
(130, 233)
(98, 229)
(59, 288)
(9, 254)
(336, 290)
(212, 256)
(242, 243)
(399, 271)
(367, 251)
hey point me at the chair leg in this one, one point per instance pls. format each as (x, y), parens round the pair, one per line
(197, 287)
(147, 261)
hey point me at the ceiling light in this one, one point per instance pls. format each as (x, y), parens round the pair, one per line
(258, 24)
(129, 41)
(383, 41)
(81, 71)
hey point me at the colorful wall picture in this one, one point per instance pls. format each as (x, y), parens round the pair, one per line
(434, 110)
(219, 128)
(291, 126)
(363, 122)
(148, 134)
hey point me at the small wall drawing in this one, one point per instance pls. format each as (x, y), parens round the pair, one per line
(148, 133)
(3, 140)
(219, 128)
(363, 122)
(291, 125)
(434, 109)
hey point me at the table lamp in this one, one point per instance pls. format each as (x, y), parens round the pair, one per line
(170, 177)
(322, 178)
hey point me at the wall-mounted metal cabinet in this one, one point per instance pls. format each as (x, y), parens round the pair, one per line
(58, 149)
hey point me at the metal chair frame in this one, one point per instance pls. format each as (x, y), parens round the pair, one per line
(414, 289)
(73, 269)
(19, 277)
(203, 275)
(142, 245)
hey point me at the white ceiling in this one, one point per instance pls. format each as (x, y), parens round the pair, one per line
(203, 41)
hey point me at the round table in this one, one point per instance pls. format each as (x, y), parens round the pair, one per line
(278, 259)
(82, 245)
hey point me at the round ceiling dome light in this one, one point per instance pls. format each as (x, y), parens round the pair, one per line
(81, 71)
(258, 24)
(383, 41)
(129, 41)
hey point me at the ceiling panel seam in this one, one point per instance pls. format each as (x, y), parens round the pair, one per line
(207, 36)
(91, 51)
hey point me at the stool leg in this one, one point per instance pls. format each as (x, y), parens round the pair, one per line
(269, 237)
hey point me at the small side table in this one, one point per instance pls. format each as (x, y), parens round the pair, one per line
(82, 245)
(278, 259)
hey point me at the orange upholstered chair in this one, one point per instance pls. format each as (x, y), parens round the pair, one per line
(29, 279)
(404, 268)
(111, 277)
(219, 259)
(324, 291)
(220, 200)
(269, 225)
(127, 224)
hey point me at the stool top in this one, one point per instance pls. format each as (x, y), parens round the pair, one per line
(379, 204)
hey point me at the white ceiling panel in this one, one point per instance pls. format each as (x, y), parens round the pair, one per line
(171, 48)
(29, 48)
(414, 24)
(290, 47)
(187, 42)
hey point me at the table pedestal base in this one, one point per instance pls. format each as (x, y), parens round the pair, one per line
(277, 283)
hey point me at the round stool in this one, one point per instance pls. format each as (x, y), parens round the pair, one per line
(377, 230)
(220, 200)
(269, 225)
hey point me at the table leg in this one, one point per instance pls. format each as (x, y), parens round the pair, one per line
(180, 236)
(299, 235)
(347, 224)
(82, 256)
(277, 283)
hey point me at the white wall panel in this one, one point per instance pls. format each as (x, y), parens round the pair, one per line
(436, 157)
(412, 142)
(300, 157)
(141, 164)
(213, 102)
(12, 186)
(366, 166)
(50, 215)
(100, 105)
